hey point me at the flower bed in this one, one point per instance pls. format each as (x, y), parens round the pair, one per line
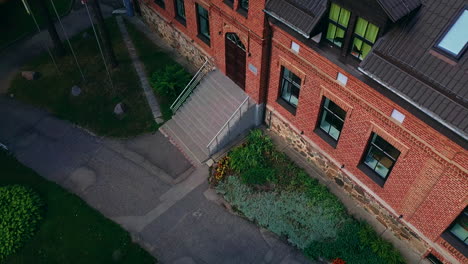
(266, 187)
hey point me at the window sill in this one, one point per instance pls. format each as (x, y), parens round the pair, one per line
(372, 174)
(287, 106)
(181, 20)
(229, 3)
(327, 138)
(243, 12)
(455, 242)
(204, 39)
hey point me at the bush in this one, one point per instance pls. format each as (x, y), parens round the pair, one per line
(289, 214)
(353, 244)
(170, 81)
(253, 153)
(20, 213)
(258, 175)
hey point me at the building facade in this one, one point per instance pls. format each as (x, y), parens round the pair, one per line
(369, 92)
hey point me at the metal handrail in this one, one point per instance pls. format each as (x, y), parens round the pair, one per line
(227, 123)
(189, 88)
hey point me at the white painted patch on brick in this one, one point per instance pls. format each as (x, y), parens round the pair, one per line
(343, 79)
(295, 47)
(398, 116)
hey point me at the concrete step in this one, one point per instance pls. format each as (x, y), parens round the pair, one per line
(229, 86)
(204, 113)
(197, 131)
(185, 142)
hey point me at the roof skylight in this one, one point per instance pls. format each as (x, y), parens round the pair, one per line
(454, 41)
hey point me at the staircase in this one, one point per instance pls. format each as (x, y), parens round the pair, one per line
(215, 113)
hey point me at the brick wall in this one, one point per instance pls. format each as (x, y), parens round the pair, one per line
(428, 184)
(223, 19)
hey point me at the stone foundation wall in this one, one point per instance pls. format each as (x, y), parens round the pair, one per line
(335, 174)
(177, 40)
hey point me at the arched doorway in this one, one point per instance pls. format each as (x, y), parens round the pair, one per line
(235, 59)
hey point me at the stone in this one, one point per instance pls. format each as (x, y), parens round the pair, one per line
(339, 182)
(30, 75)
(119, 109)
(117, 255)
(210, 162)
(382, 221)
(75, 90)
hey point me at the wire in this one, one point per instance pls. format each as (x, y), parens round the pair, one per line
(68, 40)
(39, 30)
(99, 45)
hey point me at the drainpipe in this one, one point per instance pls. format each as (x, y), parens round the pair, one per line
(266, 76)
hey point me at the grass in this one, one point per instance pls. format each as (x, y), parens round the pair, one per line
(154, 59)
(71, 232)
(93, 109)
(16, 23)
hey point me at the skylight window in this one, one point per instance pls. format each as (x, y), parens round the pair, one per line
(454, 41)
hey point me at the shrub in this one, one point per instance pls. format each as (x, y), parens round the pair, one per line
(258, 175)
(288, 214)
(20, 213)
(170, 81)
(353, 245)
(253, 153)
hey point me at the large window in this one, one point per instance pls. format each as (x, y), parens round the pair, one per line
(338, 23)
(290, 87)
(457, 233)
(365, 35)
(331, 119)
(180, 10)
(379, 158)
(203, 24)
(160, 3)
(455, 41)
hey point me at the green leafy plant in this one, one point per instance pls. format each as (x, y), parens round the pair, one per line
(288, 214)
(379, 246)
(253, 153)
(20, 213)
(258, 175)
(170, 81)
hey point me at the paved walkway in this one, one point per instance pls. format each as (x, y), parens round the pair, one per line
(141, 72)
(19, 53)
(145, 184)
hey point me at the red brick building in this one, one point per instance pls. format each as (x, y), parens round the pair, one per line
(373, 92)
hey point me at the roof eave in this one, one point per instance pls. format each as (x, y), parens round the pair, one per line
(306, 35)
(406, 98)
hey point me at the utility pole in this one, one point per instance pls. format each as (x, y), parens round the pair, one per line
(104, 33)
(58, 46)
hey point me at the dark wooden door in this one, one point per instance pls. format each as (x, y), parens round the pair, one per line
(235, 59)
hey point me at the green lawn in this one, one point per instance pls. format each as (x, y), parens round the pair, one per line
(15, 21)
(93, 109)
(154, 58)
(71, 232)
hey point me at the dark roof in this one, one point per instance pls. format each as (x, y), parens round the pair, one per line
(397, 9)
(301, 15)
(405, 61)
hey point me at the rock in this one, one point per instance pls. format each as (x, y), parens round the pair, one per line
(119, 109)
(75, 90)
(85, 35)
(117, 255)
(30, 75)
